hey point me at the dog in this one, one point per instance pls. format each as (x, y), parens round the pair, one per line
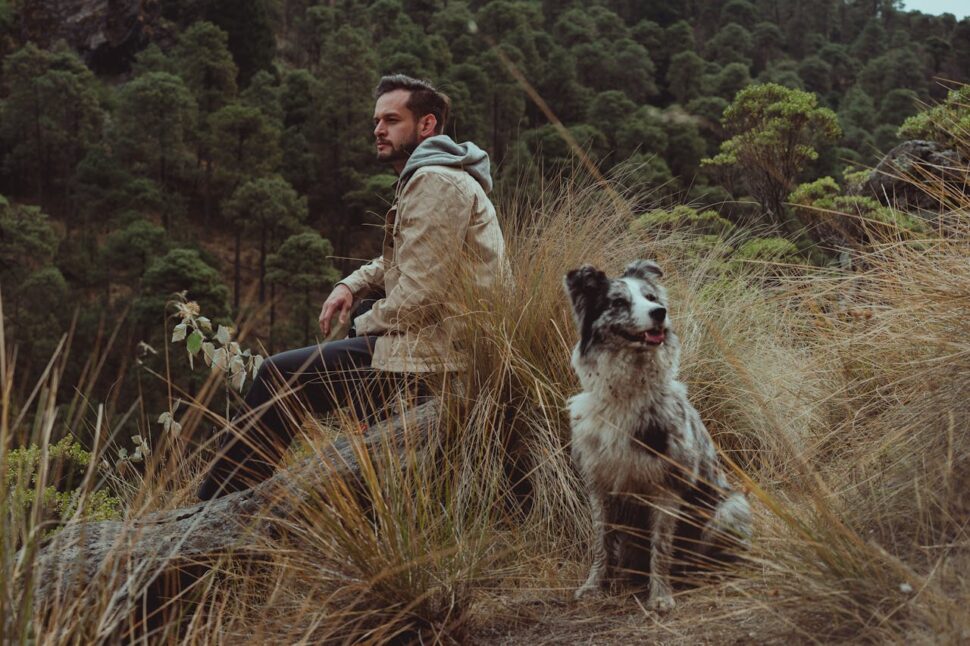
(657, 492)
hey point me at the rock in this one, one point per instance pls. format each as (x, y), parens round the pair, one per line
(916, 175)
(106, 33)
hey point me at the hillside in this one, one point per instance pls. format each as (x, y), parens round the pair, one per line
(799, 170)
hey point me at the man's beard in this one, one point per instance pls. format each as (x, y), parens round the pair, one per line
(399, 153)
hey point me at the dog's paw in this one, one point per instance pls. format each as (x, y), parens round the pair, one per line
(587, 591)
(661, 604)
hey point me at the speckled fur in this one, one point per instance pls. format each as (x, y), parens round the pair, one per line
(655, 485)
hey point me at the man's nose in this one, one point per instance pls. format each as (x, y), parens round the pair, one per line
(379, 129)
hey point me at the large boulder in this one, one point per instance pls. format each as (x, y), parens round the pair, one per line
(919, 177)
(106, 33)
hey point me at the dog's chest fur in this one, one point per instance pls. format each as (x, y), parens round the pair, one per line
(629, 425)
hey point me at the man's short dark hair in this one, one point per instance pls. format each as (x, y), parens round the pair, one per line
(424, 98)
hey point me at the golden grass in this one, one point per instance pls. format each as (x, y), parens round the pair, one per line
(840, 399)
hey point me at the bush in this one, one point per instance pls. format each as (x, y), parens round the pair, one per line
(58, 501)
(840, 219)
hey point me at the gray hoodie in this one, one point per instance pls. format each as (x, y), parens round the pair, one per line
(441, 150)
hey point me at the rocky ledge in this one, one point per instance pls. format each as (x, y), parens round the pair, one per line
(106, 33)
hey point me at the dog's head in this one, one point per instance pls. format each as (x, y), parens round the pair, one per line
(629, 311)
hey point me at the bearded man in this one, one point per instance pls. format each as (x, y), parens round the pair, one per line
(442, 226)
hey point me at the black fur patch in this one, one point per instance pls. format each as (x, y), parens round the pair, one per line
(647, 270)
(653, 436)
(631, 519)
(587, 288)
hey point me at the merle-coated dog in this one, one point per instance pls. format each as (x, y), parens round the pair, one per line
(659, 497)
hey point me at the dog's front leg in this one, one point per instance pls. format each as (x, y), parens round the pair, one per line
(664, 520)
(601, 552)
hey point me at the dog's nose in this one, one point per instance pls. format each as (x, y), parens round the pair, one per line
(658, 314)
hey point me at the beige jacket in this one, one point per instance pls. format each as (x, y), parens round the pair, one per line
(442, 226)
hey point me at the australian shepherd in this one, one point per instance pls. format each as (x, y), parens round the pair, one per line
(659, 497)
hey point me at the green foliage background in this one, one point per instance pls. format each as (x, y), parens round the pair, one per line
(235, 142)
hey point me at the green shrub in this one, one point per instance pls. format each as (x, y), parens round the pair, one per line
(947, 123)
(59, 499)
(776, 250)
(835, 217)
(682, 218)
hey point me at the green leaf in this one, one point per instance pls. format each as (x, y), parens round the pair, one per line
(194, 344)
(178, 334)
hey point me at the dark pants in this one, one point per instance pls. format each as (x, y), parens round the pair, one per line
(317, 379)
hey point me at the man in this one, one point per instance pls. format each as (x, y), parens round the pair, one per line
(441, 228)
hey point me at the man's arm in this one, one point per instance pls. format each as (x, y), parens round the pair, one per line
(366, 279)
(341, 299)
(432, 220)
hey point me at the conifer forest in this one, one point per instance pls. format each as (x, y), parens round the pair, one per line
(182, 182)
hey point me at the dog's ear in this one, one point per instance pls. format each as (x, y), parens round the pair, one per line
(644, 269)
(587, 287)
(584, 286)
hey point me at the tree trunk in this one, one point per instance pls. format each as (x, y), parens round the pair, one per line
(128, 556)
(236, 278)
(272, 314)
(262, 266)
(306, 317)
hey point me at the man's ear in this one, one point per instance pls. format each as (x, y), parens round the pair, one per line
(427, 126)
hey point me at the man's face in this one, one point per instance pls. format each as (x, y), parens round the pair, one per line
(395, 128)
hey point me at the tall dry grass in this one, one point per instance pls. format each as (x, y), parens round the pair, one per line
(881, 539)
(839, 399)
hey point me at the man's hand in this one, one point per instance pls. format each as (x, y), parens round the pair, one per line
(340, 300)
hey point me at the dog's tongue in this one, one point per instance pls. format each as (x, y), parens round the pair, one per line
(654, 337)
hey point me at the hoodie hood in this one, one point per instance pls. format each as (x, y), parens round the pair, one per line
(441, 150)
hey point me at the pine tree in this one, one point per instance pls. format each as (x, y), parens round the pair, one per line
(156, 120)
(303, 265)
(51, 116)
(774, 132)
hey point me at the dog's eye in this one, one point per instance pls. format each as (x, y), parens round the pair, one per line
(619, 302)
(652, 298)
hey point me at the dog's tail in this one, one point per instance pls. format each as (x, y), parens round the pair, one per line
(729, 530)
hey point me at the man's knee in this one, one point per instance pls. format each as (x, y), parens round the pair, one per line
(347, 354)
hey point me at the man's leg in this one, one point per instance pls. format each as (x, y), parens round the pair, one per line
(318, 378)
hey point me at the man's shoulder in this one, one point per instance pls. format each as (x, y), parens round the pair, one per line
(442, 175)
